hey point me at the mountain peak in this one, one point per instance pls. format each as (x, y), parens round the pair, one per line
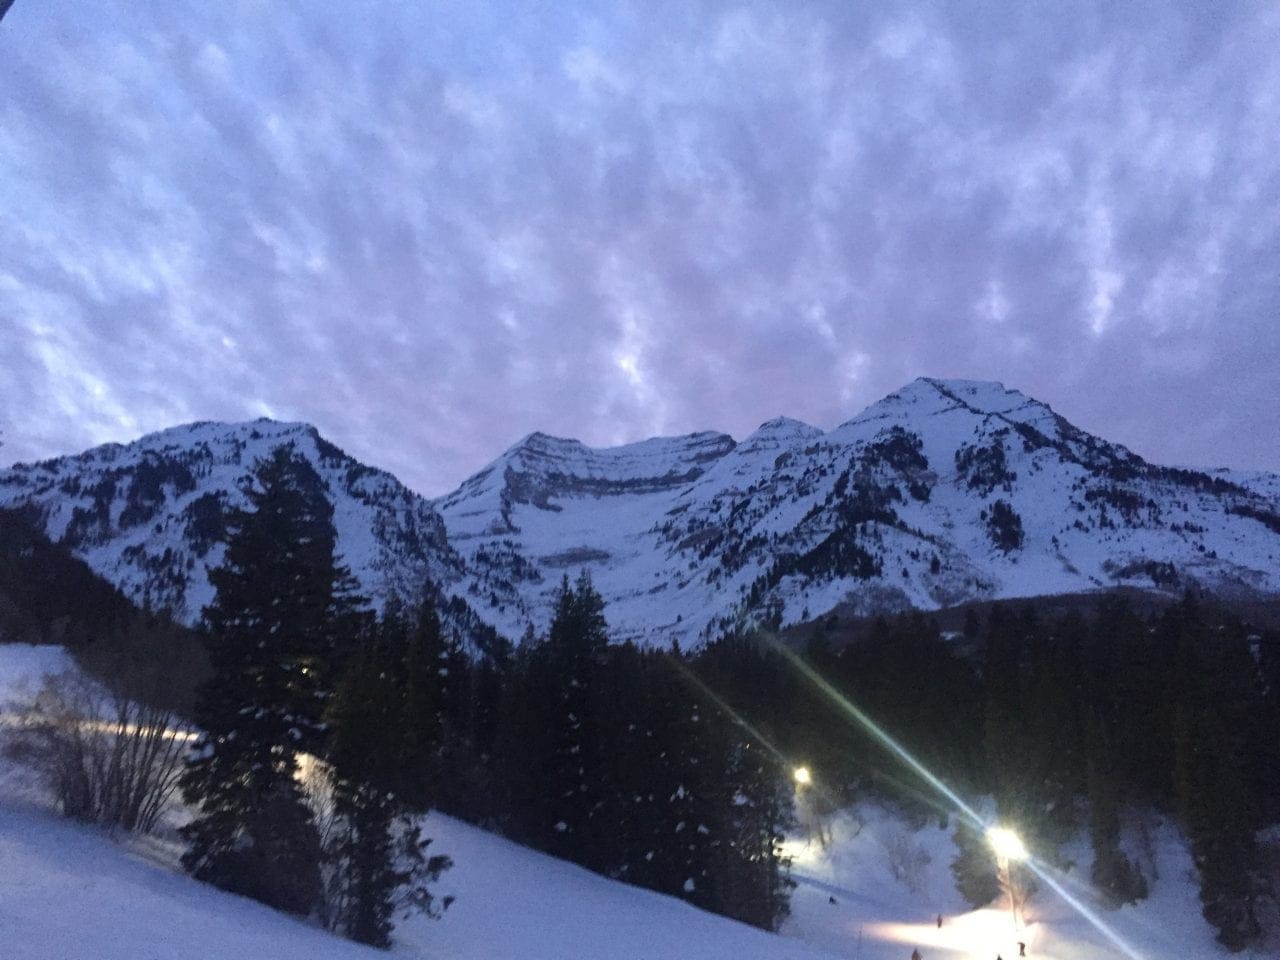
(981, 396)
(152, 515)
(779, 432)
(538, 442)
(931, 396)
(785, 425)
(942, 492)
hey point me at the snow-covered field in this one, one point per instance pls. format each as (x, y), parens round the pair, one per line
(877, 916)
(68, 892)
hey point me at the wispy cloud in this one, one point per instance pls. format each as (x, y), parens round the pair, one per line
(430, 231)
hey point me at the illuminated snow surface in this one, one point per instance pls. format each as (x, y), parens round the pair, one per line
(71, 893)
(879, 917)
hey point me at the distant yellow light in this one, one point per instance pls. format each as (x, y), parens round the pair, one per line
(802, 776)
(1006, 843)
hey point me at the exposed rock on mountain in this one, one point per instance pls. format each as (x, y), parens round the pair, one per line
(942, 492)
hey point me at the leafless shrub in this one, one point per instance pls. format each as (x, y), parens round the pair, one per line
(107, 758)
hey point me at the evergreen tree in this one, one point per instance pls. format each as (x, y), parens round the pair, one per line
(376, 856)
(1116, 704)
(567, 673)
(974, 867)
(672, 775)
(1127, 667)
(752, 879)
(746, 790)
(424, 671)
(1112, 872)
(481, 793)
(271, 635)
(1218, 705)
(628, 822)
(364, 722)
(1266, 748)
(1032, 734)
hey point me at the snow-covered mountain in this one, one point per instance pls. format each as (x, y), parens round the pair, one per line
(149, 516)
(943, 492)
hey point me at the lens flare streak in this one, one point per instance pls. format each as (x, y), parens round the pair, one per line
(887, 742)
(878, 733)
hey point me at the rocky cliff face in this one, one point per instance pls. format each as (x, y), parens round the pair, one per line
(149, 516)
(942, 492)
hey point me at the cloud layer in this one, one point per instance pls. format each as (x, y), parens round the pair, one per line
(432, 231)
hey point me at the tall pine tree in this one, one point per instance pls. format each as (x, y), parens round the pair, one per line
(376, 858)
(271, 634)
(1219, 699)
(567, 674)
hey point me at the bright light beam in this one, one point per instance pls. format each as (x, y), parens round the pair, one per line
(1098, 923)
(882, 737)
(876, 731)
(1007, 844)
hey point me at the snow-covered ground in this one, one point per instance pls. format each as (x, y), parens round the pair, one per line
(879, 916)
(68, 892)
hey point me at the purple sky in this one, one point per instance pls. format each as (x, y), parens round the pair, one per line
(432, 231)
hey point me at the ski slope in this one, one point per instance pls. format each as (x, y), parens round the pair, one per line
(68, 892)
(880, 916)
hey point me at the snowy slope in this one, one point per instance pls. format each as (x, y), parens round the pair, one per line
(69, 893)
(895, 508)
(943, 492)
(148, 516)
(880, 914)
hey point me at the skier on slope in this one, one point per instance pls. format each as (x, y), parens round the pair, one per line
(915, 955)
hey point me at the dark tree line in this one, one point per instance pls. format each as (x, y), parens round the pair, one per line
(601, 753)
(618, 759)
(1075, 723)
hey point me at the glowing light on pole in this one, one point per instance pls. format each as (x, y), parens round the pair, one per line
(802, 776)
(897, 750)
(1009, 850)
(1007, 844)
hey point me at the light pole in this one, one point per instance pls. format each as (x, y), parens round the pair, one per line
(1009, 849)
(804, 807)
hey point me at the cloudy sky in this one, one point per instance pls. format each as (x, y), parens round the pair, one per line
(432, 228)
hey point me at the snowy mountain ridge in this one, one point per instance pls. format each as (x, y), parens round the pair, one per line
(942, 492)
(149, 516)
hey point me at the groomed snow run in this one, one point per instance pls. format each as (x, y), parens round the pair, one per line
(69, 892)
